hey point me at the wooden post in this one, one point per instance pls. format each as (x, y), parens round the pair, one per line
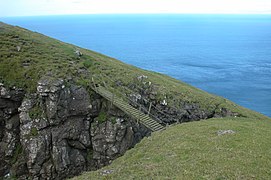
(149, 108)
(93, 82)
(112, 102)
(102, 78)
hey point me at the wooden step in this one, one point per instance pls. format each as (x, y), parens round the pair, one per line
(130, 110)
(154, 125)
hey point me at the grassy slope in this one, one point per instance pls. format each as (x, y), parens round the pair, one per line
(53, 57)
(191, 150)
(195, 151)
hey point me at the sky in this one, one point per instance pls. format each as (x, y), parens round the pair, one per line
(57, 7)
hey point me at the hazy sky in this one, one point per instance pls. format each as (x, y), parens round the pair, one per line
(52, 7)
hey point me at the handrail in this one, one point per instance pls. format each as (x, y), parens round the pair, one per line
(140, 89)
(125, 107)
(143, 109)
(134, 93)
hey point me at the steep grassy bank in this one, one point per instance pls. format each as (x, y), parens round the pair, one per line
(195, 151)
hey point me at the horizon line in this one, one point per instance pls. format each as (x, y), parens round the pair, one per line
(43, 15)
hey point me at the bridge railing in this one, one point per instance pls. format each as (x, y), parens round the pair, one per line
(100, 81)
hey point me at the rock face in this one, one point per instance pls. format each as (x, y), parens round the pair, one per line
(60, 131)
(109, 140)
(63, 129)
(54, 130)
(10, 100)
(146, 93)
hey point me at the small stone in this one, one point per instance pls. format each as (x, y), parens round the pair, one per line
(7, 175)
(119, 120)
(135, 97)
(4, 93)
(223, 132)
(164, 103)
(78, 53)
(140, 78)
(106, 172)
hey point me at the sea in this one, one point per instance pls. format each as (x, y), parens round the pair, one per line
(226, 55)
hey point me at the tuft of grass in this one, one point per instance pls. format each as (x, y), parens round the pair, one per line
(113, 120)
(35, 112)
(195, 151)
(83, 82)
(89, 154)
(34, 132)
(17, 153)
(87, 63)
(102, 117)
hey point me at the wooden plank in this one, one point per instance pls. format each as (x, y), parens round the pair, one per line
(128, 109)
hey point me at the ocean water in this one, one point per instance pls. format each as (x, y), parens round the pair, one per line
(226, 55)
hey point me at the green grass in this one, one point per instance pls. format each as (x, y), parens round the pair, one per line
(102, 117)
(35, 112)
(195, 151)
(34, 132)
(87, 63)
(43, 54)
(18, 152)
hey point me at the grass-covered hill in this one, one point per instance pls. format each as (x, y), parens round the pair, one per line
(196, 151)
(187, 151)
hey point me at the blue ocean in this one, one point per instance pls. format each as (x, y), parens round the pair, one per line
(226, 55)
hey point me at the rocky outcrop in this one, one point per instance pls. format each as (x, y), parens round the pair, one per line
(54, 130)
(10, 100)
(144, 93)
(111, 139)
(60, 131)
(63, 129)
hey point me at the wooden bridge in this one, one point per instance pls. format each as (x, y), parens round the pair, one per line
(141, 117)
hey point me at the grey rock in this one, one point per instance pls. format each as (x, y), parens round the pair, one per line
(109, 140)
(142, 77)
(49, 85)
(223, 132)
(9, 126)
(78, 53)
(18, 48)
(106, 172)
(135, 97)
(4, 93)
(57, 132)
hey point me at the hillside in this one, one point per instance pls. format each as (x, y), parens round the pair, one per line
(42, 55)
(196, 151)
(55, 124)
